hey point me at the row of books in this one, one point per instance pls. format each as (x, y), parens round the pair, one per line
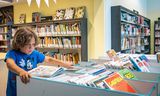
(132, 30)
(70, 13)
(157, 27)
(157, 41)
(133, 19)
(3, 29)
(60, 42)
(157, 48)
(94, 77)
(140, 63)
(133, 42)
(3, 37)
(157, 34)
(73, 57)
(54, 29)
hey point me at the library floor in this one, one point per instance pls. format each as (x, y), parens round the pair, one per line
(3, 76)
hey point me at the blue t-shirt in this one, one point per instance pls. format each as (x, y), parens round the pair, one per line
(24, 61)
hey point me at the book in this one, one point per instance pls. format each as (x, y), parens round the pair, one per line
(138, 64)
(69, 13)
(158, 57)
(116, 82)
(125, 73)
(22, 18)
(112, 55)
(46, 71)
(59, 14)
(80, 12)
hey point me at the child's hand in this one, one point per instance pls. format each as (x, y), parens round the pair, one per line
(69, 65)
(25, 76)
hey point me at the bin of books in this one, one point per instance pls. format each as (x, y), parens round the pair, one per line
(93, 82)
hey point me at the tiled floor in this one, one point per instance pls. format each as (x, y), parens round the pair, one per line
(3, 78)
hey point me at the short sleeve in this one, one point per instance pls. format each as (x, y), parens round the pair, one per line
(10, 54)
(40, 57)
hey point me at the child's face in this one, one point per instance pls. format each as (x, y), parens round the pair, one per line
(28, 48)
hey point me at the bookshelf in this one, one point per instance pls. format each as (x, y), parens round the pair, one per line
(63, 39)
(6, 19)
(130, 32)
(156, 36)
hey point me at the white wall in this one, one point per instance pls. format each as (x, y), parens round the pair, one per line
(139, 5)
(153, 12)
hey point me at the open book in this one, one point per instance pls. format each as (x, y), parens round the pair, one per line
(46, 71)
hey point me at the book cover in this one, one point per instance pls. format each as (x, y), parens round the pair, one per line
(116, 82)
(80, 12)
(22, 18)
(112, 55)
(59, 14)
(127, 74)
(69, 13)
(46, 71)
(138, 64)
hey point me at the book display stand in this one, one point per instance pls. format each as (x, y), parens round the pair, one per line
(146, 84)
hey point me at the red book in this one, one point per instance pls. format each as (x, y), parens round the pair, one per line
(116, 82)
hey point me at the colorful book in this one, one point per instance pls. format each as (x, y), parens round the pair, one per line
(112, 55)
(138, 64)
(69, 13)
(59, 14)
(127, 74)
(116, 82)
(80, 12)
(46, 71)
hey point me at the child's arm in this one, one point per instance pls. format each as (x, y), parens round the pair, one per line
(57, 62)
(24, 75)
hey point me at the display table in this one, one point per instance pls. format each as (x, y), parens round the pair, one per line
(43, 87)
(148, 84)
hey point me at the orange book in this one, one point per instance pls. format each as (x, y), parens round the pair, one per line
(116, 82)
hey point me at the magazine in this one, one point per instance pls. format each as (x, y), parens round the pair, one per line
(116, 82)
(46, 71)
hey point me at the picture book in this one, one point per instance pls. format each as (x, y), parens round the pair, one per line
(138, 64)
(80, 12)
(69, 13)
(116, 82)
(46, 71)
(59, 14)
(112, 55)
(127, 74)
(22, 18)
(143, 57)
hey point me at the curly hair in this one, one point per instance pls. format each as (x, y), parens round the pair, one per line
(23, 36)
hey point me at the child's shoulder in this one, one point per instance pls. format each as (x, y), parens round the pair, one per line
(12, 51)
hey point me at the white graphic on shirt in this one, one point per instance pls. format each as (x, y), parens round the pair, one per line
(22, 63)
(29, 64)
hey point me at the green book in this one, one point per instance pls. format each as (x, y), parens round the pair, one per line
(126, 73)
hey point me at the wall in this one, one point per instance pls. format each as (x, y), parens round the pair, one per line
(99, 27)
(153, 13)
(139, 5)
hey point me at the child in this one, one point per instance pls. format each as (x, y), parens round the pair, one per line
(23, 57)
